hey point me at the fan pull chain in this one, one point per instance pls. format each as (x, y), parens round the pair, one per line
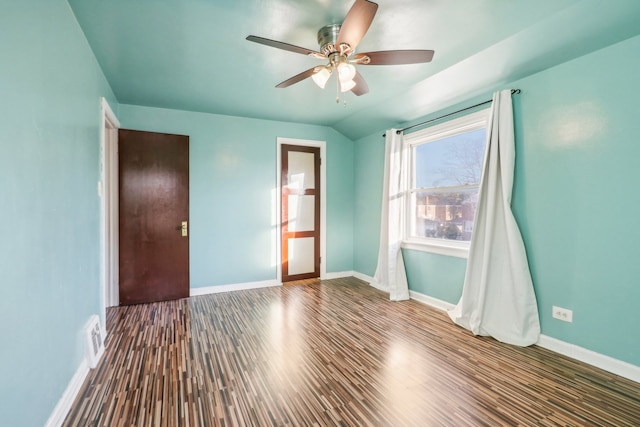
(344, 103)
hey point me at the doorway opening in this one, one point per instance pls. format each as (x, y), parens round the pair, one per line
(108, 192)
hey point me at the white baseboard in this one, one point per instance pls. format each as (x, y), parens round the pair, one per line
(598, 360)
(430, 301)
(64, 404)
(369, 280)
(269, 283)
(380, 288)
(362, 277)
(234, 287)
(338, 275)
(582, 354)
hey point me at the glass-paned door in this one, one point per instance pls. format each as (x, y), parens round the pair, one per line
(300, 212)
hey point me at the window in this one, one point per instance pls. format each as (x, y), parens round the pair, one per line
(445, 167)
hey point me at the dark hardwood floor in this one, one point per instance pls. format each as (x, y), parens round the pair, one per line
(333, 352)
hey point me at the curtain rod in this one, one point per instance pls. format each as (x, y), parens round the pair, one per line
(399, 131)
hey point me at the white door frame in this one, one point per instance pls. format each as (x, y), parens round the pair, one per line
(108, 190)
(323, 201)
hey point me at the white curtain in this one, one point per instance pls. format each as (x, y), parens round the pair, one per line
(390, 272)
(498, 297)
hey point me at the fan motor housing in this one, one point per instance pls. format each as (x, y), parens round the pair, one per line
(327, 37)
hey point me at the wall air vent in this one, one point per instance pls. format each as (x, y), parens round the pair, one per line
(94, 341)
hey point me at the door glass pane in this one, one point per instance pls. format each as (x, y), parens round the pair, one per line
(301, 213)
(301, 171)
(301, 255)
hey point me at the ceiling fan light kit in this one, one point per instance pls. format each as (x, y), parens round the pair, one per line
(338, 43)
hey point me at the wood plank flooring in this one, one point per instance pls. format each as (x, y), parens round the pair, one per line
(333, 352)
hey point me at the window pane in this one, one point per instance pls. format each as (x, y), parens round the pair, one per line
(444, 215)
(452, 161)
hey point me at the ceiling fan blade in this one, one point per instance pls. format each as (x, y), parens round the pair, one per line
(284, 46)
(361, 86)
(395, 57)
(297, 78)
(357, 22)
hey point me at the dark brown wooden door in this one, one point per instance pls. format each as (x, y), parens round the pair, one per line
(300, 212)
(153, 215)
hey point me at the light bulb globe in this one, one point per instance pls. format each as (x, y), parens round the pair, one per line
(321, 77)
(346, 72)
(347, 86)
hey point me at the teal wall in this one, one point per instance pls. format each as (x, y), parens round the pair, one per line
(438, 276)
(577, 130)
(50, 85)
(232, 190)
(369, 171)
(574, 199)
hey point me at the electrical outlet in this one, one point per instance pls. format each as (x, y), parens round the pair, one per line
(563, 314)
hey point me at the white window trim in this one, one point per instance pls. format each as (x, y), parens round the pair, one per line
(452, 248)
(463, 124)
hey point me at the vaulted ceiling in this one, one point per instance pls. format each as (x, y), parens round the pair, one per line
(192, 54)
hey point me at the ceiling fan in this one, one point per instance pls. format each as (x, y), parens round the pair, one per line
(338, 43)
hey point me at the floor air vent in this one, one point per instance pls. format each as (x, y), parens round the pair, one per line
(94, 340)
